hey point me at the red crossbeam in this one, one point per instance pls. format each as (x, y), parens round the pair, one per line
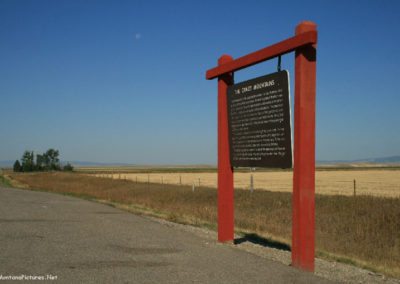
(269, 52)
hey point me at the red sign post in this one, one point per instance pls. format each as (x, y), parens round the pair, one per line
(225, 171)
(303, 224)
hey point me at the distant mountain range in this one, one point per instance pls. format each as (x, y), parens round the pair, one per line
(86, 164)
(6, 163)
(382, 160)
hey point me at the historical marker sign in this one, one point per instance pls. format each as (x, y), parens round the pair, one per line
(255, 139)
(259, 122)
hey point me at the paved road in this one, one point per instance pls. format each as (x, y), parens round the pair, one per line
(80, 241)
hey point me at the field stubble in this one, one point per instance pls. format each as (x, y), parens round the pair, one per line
(364, 229)
(383, 183)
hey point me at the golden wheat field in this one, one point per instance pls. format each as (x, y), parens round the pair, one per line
(385, 183)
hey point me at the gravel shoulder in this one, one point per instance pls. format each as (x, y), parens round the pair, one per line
(333, 271)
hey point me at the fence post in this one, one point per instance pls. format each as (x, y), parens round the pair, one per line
(251, 183)
(303, 219)
(225, 171)
(354, 187)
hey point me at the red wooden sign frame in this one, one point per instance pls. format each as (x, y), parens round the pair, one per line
(304, 44)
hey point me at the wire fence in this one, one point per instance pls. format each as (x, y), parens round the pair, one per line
(377, 183)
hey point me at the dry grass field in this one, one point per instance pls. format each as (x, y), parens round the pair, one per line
(384, 182)
(362, 230)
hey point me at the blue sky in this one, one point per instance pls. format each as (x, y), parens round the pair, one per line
(124, 81)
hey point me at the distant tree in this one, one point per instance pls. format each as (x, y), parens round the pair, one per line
(68, 168)
(17, 166)
(46, 162)
(51, 160)
(27, 162)
(39, 162)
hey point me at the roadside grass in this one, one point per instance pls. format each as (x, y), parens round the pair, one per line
(362, 231)
(4, 182)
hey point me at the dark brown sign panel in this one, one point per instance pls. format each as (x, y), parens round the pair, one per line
(259, 122)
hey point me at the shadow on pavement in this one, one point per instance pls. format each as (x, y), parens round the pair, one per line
(256, 239)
